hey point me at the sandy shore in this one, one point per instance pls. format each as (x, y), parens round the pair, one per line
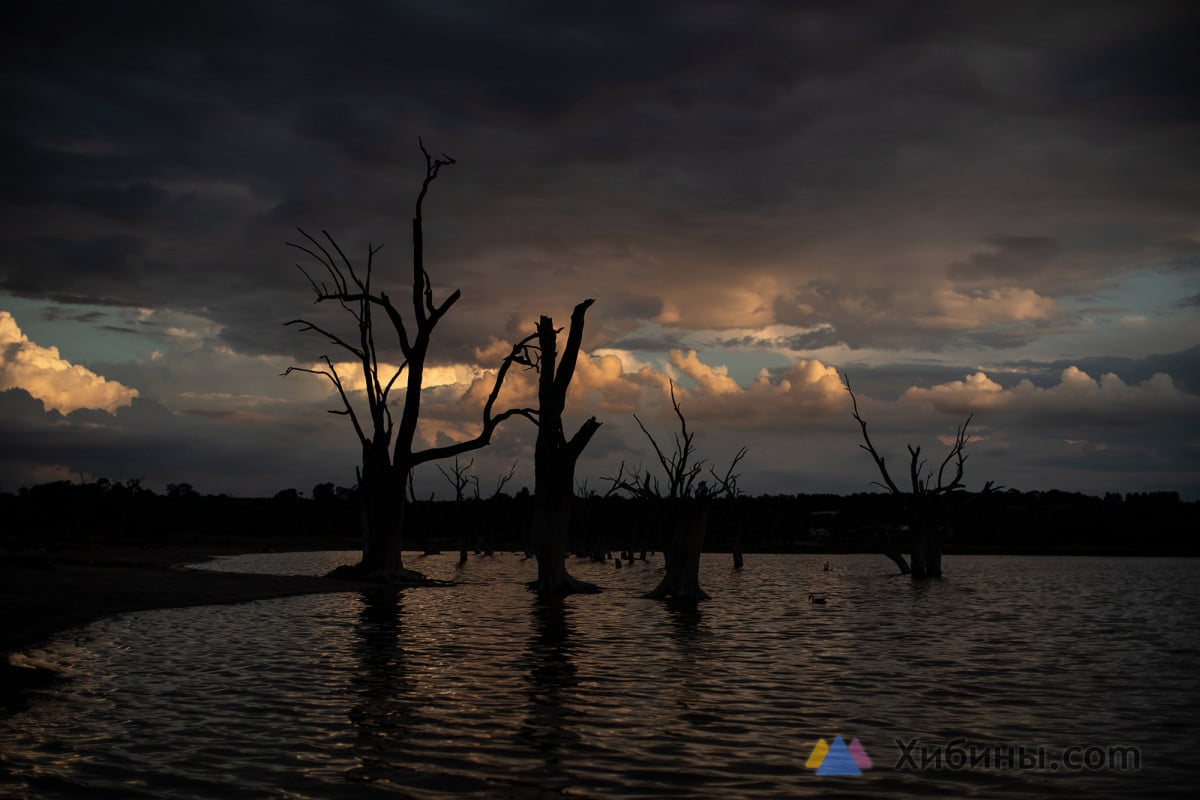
(42, 594)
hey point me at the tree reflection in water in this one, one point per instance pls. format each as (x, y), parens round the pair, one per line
(549, 728)
(386, 711)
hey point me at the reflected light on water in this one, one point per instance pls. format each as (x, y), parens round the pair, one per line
(481, 689)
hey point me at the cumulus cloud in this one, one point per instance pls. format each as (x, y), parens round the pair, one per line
(59, 384)
(707, 174)
(957, 310)
(927, 316)
(783, 400)
(1077, 398)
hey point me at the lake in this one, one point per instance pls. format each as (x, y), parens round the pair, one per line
(479, 690)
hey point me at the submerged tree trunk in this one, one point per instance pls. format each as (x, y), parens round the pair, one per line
(383, 514)
(551, 526)
(555, 458)
(688, 518)
(926, 553)
(383, 521)
(736, 547)
(387, 437)
(888, 547)
(926, 514)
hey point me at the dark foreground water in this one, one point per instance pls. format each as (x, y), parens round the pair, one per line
(477, 690)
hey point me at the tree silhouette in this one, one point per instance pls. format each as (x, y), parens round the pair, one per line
(684, 505)
(925, 503)
(387, 443)
(555, 456)
(460, 477)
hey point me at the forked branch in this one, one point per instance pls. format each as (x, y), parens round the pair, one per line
(922, 482)
(680, 468)
(490, 420)
(347, 408)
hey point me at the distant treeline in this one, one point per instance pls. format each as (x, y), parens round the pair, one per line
(1005, 522)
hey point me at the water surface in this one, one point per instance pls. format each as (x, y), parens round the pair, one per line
(479, 690)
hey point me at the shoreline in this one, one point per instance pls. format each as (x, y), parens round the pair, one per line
(47, 593)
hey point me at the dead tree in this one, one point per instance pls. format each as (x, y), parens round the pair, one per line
(683, 505)
(501, 482)
(555, 456)
(925, 504)
(493, 522)
(460, 478)
(388, 455)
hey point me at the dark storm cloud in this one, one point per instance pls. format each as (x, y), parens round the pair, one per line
(95, 270)
(1012, 257)
(924, 176)
(148, 441)
(575, 124)
(656, 344)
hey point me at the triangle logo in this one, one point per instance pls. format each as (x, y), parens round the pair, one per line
(818, 755)
(839, 760)
(859, 754)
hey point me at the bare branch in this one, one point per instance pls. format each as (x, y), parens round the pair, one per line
(566, 367)
(490, 421)
(332, 375)
(422, 297)
(914, 468)
(727, 483)
(364, 285)
(333, 338)
(504, 479)
(667, 465)
(459, 477)
(958, 455)
(640, 483)
(890, 485)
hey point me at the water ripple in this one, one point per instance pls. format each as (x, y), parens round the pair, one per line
(481, 690)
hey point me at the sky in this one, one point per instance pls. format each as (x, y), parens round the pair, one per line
(969, 209)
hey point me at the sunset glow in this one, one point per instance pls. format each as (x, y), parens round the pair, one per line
(995, 214)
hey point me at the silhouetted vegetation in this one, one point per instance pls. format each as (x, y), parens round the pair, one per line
(103, 512)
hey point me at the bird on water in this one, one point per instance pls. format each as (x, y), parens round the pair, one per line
(816, 601)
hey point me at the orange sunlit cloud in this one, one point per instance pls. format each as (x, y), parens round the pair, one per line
(1076, 392)
(47, 376)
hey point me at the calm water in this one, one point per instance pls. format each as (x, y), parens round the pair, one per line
(477, 690)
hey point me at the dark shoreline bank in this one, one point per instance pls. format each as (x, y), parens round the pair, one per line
(46, 592)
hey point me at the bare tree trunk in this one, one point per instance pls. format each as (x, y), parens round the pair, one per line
(689, 520)
(555, 458)
(551, 524)
(383, 520)
(889, 549)
(926, 513)
(927, 502)
(461, 530)
(384, 474)
(920, 551)
(926, 552)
